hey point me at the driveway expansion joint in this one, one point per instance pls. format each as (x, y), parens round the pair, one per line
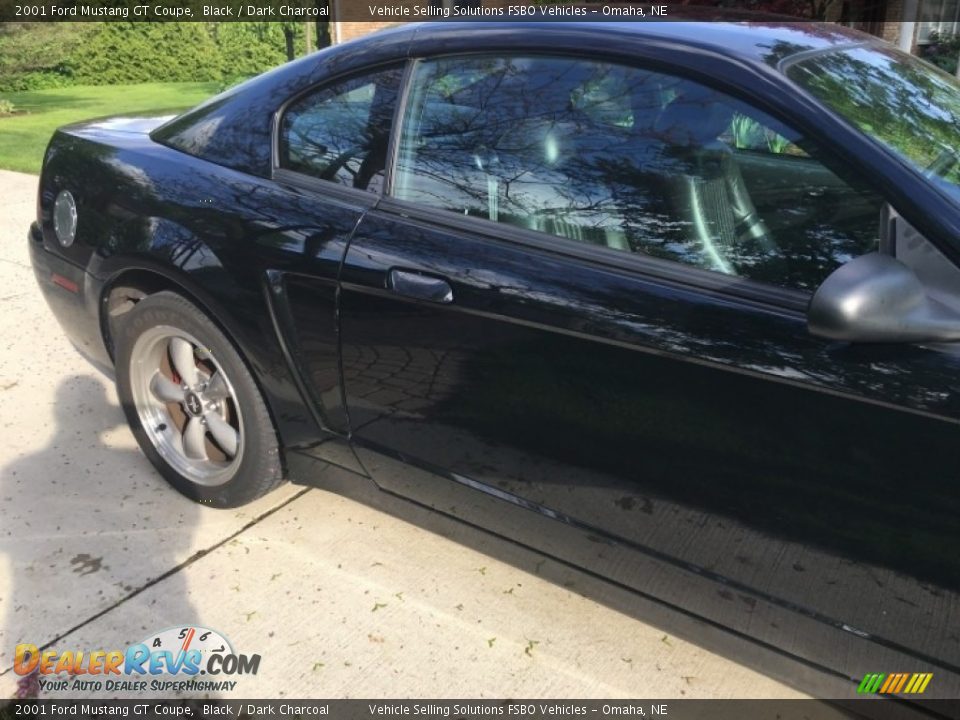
(203, 552)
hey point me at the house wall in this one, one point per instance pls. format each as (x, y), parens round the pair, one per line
(351, 30)
(891, 28)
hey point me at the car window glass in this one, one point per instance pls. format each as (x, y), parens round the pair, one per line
(632, 160)
(746, 133)
(908, 105)
(341, 133)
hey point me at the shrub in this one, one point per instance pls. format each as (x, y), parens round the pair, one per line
(40, 80)
(942, 51)
(122, 53)
(6, 108)
(35, 56)
(31, 54)
(247, 49)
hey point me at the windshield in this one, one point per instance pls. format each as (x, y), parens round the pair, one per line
(908, 105)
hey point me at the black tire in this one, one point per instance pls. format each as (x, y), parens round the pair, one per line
(255, 469)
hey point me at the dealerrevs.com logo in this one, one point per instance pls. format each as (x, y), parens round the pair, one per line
(174, 660)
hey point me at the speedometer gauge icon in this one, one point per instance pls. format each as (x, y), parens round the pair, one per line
(184, 639)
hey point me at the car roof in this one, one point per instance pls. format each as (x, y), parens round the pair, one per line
(234, 128)
(745, 36)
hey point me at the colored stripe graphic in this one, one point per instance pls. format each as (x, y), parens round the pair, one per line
(871, 683)
(894, 683)
(901, 682)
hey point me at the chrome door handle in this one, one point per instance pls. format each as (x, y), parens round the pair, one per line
(422, 287)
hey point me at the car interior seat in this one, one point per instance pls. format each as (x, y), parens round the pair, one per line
(707, 191)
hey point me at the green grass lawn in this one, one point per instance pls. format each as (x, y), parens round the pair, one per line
(24, 137)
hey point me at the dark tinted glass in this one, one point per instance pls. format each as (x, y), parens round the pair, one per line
(632, 160)
(341, 133)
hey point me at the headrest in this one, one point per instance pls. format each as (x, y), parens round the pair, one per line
(696, 117)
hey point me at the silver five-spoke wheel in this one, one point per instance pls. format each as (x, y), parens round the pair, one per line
(192, 402)
(186, 405)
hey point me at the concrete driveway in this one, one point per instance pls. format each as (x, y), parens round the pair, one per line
(96, 552)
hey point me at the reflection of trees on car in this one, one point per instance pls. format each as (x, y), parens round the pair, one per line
(632, 160)
(342, 134)
(900, 101)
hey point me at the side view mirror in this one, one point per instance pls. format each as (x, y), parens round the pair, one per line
(876, 298)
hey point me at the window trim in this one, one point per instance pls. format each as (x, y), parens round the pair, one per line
(349, 196)
(737, 287)
(312, 182)
(771, 297)
(399, 112)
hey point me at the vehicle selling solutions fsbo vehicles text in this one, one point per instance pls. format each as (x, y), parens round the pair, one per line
(520, 11)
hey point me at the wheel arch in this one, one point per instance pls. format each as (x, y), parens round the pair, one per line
(127, 286)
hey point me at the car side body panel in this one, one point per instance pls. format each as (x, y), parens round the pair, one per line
(667, 427)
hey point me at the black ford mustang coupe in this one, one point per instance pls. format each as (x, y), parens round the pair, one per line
(675, 303)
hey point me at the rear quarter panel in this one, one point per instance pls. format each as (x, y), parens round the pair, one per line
(208, 230)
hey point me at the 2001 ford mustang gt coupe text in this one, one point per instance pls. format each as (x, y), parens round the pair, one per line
(676, 303)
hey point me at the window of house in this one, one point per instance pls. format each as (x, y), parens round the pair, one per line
(938, 18)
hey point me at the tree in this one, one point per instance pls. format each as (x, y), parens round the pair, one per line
(323, 25)
(289, 35)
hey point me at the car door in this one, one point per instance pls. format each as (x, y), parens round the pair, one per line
(569, 316)
(331, 146)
